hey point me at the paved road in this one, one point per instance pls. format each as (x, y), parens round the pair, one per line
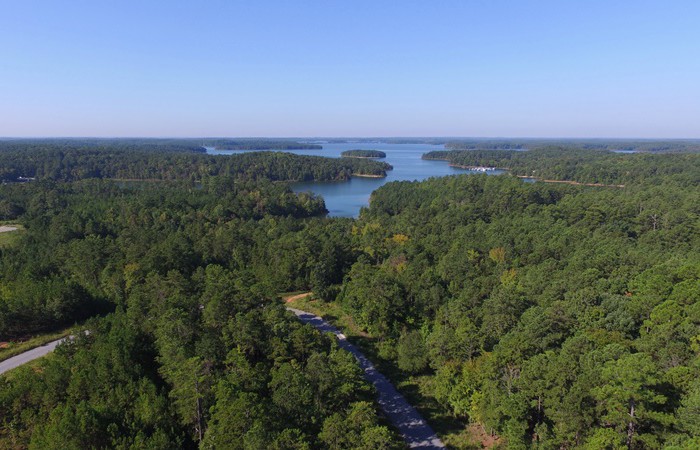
(23, 358)
(414, 429)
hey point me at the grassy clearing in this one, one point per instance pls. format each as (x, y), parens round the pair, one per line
(10, 238)
(14, 348)
(416, 388)
(293, 295)
(331, 312)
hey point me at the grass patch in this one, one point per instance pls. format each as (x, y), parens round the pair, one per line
(333, 313)
(285, 295)
(10, 238)
(417, 389)
(14, 348)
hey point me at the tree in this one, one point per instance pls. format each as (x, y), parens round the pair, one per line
(689, 412)
(629, 399)
(411, 352)
(356, 429)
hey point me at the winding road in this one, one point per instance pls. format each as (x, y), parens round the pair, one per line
(413, 428)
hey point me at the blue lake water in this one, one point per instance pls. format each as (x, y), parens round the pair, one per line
(345, 198)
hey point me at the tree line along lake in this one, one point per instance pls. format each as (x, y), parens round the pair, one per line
(346, 198)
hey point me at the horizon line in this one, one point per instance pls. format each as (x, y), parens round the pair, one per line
(359, 137)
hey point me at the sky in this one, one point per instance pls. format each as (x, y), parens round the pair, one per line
(326, 68)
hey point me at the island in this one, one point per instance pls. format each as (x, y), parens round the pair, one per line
(363, 154)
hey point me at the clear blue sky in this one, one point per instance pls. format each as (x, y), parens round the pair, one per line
(564, 68)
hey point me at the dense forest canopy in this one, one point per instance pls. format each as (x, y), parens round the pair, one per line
(557, 316)
(585, 166)
(385, 140)
(628, 145)
(363, 154)
(167, 144)
(68, 163)
(77, 232)
(140, 144)
(259, 144)
(194, 350)
(549, 315)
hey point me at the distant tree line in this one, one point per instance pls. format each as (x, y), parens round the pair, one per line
(68, 164)
(260, 144)
(629, 145)
(159, 144)
(363, 154)
(586, 166)
(103, 144)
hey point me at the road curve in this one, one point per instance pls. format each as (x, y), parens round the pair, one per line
(29, 355)
(413, 428)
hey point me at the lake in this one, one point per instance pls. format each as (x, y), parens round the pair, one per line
(345, 198)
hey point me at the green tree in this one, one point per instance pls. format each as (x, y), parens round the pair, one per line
(411, 353)
(630, 399)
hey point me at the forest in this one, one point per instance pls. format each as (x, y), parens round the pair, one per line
(188, 346)
(105, 144)
(546, 315)
(161, 144)
(554, 316)
(259, 144)
(584, 166)
(70, 163)
(625, 145)
(363, 154)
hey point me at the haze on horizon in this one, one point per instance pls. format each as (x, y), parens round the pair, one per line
(626, 69)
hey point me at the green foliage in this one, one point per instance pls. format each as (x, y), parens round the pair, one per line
(552, 162)
(195, 351)
(689, 411)
(629, 399)
(626, 145)
(72, 161)
(411, 353)
(356, 429)
(544, 309)
(97, 391)
(259, 144)
(556, 316)
(363, 154)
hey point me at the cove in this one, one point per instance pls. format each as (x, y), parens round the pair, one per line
(346, 198)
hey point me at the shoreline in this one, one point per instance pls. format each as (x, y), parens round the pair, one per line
(365, 175)
(364, 157)
(460, 166)
(216, 149)
(569, 182)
